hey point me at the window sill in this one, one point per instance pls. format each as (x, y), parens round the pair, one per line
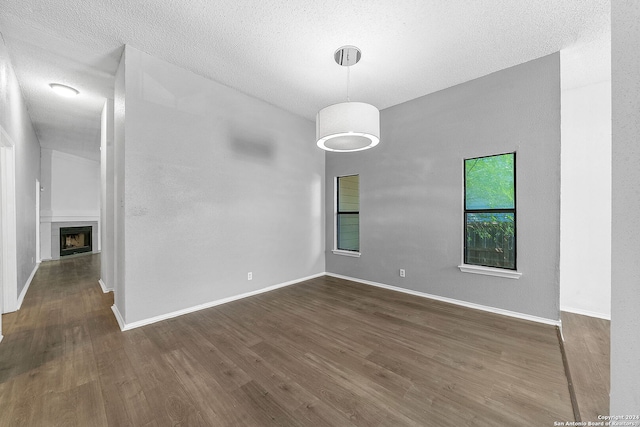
(489, 271)
(346, 253)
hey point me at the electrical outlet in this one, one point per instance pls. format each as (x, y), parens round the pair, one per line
(249, 276)
(402, 272)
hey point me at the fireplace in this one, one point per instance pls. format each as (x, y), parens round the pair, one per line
(75, 240)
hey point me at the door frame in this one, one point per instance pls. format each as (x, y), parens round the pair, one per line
(38, 256)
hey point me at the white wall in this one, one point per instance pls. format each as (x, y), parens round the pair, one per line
(585, 243)
(71, 194)
(216, 184)
(71, 187)
(106, 196)
(625, 233)
(119, 126)
(15, 124)
(45, 204)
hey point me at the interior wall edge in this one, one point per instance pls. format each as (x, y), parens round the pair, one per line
(118, 317)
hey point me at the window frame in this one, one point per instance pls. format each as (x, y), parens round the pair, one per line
(483, 268)
(336, 249)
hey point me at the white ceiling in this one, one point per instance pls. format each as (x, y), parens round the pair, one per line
(280, 51)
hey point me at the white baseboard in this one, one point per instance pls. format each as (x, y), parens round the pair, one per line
(104, 287)
(127, 326)
(1, 336)
(585, 312)
(561, 333)
(26, 287)
(119, 318)
(454, 301)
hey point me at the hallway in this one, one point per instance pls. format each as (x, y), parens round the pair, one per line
(48, 371)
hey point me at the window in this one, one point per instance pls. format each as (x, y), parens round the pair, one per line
(348, 213)
(490, 211)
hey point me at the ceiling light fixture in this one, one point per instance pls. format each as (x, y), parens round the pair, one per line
(348, 126)
(63, 90)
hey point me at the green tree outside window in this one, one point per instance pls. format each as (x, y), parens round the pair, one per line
(490, 211)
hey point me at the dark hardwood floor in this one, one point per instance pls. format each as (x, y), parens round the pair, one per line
(587, 344)
(322, 352)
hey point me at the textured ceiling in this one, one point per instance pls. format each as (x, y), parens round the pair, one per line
(280, 51)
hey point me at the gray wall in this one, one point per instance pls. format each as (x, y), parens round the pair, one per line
(14, 119)
(625, 277)
(411, 189)
(216, 184)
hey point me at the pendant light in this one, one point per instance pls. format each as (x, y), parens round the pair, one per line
(64, 90)
(348, 126)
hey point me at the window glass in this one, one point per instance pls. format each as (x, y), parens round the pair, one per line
(348, 213)
(490, 182)
(490, 211)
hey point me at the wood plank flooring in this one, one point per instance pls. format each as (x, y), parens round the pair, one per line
(322, 352)
(587, 344)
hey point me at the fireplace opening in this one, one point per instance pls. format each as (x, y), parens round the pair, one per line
(75, 240)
